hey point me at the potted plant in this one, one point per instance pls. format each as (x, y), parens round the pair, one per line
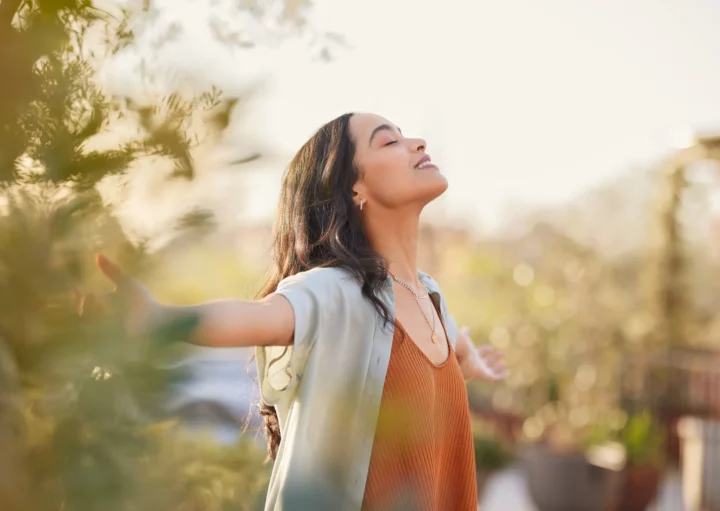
(491, 455)
(644, 444)
(572, 468)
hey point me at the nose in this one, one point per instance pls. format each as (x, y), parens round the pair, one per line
(418, 144)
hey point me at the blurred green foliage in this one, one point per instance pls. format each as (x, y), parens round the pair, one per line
(80, 421)
(581, 327)
(491, 452)
(562, 313)
(643, 439)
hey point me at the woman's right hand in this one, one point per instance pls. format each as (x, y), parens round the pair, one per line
(221, 323)
(131, 301)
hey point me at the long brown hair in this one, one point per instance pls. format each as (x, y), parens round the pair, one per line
(318, 225)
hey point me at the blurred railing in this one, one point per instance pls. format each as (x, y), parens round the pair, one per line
(682, 389)
(681, 382)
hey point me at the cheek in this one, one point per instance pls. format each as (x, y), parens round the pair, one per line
(389, 183)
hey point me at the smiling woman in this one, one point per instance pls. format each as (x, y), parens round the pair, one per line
(361, 367)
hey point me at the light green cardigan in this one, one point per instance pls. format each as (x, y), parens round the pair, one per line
(327, 388)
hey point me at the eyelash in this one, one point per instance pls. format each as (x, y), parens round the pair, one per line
(391, 142)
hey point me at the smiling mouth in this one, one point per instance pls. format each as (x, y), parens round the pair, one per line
(425, 163)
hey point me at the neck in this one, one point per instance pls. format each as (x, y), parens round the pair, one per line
(396, 240)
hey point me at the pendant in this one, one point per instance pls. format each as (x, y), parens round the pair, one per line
(434, 338)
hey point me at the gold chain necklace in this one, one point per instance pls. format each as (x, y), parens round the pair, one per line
(417, 297)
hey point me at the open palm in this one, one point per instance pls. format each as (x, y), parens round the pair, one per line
(485, 363)
(131, 300)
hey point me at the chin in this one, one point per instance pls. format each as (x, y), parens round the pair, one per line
(435, 189)
(440, 184)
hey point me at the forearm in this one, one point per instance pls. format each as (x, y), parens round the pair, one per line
(466, 354)
(225, 323)
(463, 347)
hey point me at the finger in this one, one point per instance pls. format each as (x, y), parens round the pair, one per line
(498, 366)
(486, 374)
(494, 358)
(491, 363)
(110, 270)
(92, 304)
(495, 375)
(483, 369)
(501, 375)
(486, 350)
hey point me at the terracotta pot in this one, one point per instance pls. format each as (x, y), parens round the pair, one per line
(640, 487)
(566, 481)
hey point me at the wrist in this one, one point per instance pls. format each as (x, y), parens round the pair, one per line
(167, 324)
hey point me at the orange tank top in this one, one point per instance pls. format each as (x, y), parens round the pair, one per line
(423, 456)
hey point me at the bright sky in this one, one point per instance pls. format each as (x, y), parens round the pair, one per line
(520, 101)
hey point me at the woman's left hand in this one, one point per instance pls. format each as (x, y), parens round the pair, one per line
(485, 362)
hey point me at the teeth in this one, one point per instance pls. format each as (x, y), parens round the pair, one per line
(424, 164)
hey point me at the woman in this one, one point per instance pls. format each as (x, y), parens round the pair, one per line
(361, 367)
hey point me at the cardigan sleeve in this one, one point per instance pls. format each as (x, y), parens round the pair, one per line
(313, 296)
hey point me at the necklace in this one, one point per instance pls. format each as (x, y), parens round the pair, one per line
(409, 288)
(417, 297)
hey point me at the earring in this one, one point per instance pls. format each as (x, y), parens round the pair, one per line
(361, 204)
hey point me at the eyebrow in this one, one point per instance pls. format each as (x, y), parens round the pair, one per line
(380, 128)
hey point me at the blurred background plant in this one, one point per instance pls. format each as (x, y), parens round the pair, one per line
(492, 454)
(643, 440)
(587, 330)
(81, 408)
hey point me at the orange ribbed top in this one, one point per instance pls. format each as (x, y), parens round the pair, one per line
(423, 456)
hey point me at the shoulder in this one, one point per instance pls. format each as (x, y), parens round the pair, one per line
(429, 282)
(326, 281)
(433, 288)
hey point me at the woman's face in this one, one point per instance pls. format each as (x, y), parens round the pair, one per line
(395, 171)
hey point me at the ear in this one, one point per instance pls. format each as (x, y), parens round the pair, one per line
(358, 193)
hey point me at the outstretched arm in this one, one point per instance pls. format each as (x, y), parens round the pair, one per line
(223, 323)
(485, 362)
(233, 323)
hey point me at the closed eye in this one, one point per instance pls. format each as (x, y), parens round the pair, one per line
(391, 142)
